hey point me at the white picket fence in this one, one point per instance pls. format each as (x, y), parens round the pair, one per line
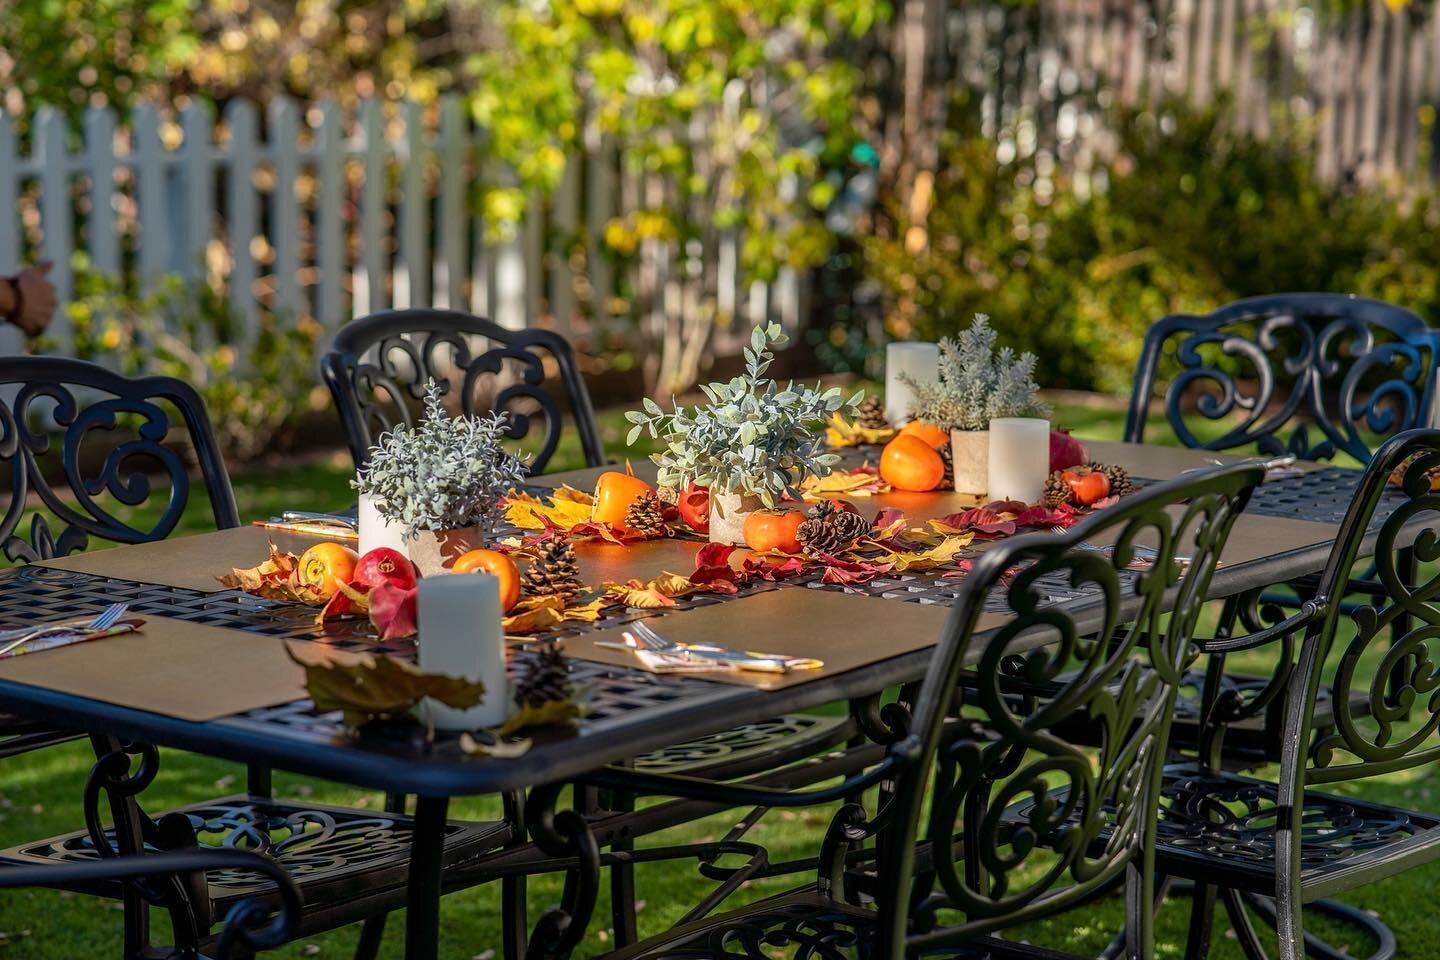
(317, 212)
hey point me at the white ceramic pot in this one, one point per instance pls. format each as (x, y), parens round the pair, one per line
(728, 513)
(375, 530)
(1019, 458)
(434, 551)
(970, 461)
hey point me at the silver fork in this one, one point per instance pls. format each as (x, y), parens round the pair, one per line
(102, 621)
(709, 651)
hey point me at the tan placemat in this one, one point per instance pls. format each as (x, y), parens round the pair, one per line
(192, 562)
(844, 630)
(172, 667)
(1251, 538)
(1155, 462)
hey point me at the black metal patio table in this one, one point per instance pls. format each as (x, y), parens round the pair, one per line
(1285, 533)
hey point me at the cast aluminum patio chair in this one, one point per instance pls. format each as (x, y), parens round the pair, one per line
(377, 367)
(247, 928)
(950, 872)
(86, 446)
(1286, 844)
(1316, 375)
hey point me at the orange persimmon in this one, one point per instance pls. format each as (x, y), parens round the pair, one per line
(909, 463)
(614, 492)
(497, 565)
(929, 432)
(767, 530)
(327, 565)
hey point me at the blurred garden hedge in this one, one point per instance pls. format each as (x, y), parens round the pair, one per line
(1193, 216)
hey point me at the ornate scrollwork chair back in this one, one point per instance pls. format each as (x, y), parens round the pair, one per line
(377, 368)
(88, 446)
(1311, 374)
(1047, 821)
(1383, 653)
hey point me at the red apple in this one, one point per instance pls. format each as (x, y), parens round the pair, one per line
(694, 507)
(1066, 451)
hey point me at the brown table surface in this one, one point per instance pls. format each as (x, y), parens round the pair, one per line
(1263, 550)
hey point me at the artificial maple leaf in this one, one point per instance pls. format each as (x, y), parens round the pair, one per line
(566, 509)
(392, 610)
(348, 601)
(773, 570)
(943, 553)
(538, 614)
(862, 482)
(712, 568)
(277, 578)
(366, 686)
(851, 572)
(487, 745)
(663, 591)
(840, 432)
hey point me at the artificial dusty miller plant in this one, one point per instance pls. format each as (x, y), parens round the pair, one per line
(752, 437)
(447, 473)
(976, 384)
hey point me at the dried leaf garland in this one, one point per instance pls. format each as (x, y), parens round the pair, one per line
(364, 686)
(862, 482)
(840, 432)
(538, 614)
(566, 509)
(277, 578)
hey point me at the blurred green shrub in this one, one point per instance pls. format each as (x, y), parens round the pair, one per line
(184, 329)
(1193, 216)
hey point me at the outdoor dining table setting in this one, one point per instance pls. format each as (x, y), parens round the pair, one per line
(471, 627)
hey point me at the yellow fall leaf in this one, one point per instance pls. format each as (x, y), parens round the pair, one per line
(567, 508)
(855, 483)
(937, 556)
(840, 432)
(660, 592)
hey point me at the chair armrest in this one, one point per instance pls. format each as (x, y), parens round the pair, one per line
(242, 928)
(739, 794)
(1309, 612)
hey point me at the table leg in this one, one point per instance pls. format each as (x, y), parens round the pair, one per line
(422, 913)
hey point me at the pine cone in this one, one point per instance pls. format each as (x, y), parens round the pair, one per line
(1057, 491)
(545, 678)
(1120, 483)
(830, 530)
(554, 573)
(870, 414)
(646, 516)
(947, 457)
(669, 496)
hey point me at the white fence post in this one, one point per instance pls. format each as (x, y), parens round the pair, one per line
(151, 199)
(10, 338)
(240, 216)
(369, 294)
(329, 227)
(412, 273)
(100, 168)
(283, 135)
(450, 266)
(56, 213)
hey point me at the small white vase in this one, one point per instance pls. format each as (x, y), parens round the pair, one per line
(728, 513)
(970, 461)
(375, 530)
(435, 551)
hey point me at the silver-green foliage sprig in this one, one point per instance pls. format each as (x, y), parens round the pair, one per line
(976, 384)
(446, 473)
(752, 437)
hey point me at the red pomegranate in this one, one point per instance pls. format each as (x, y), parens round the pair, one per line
(1066, 451)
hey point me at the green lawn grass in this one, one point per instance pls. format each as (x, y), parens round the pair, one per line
(40, 796)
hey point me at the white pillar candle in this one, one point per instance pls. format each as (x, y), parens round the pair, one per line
(376, 531)
(460, 636)
(1019, 458)
(921, 361)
